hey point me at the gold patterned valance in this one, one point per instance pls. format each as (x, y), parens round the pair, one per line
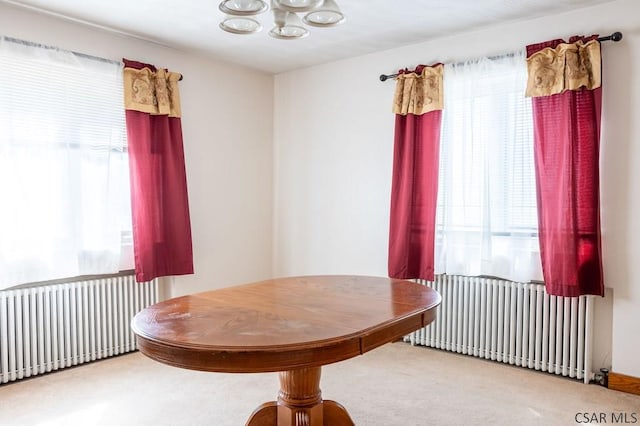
(420, 93)
(153, 92)
(570, 66)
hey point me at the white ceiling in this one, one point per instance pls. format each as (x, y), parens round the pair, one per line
(372, 25)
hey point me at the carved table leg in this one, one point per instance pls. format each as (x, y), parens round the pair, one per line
(335, 414)
(264, 415)
(300, 403)
(299, 400)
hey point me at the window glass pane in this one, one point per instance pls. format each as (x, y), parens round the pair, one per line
(486, 217)
(63, 164)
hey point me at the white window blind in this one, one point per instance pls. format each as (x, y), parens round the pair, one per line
(64, 180)
(486, 216)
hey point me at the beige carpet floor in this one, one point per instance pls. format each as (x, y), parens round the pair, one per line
(395, 385)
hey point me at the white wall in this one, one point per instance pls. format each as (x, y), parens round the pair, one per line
(333, 141)
(229, 164)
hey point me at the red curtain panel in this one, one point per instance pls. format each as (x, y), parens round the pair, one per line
(566, 146)
(159, 201)
(414, 192)
(414, 189)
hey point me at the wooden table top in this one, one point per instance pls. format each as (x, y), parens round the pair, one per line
(283, 324)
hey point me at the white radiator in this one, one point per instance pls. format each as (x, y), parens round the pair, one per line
(51, 327)
(513, 323)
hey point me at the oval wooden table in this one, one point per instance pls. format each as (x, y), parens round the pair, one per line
(293, 326)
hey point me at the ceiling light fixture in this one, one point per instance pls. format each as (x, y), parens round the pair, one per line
(326, 15)
(240, 16)
(297, 6)
(240, 25)
(288, 26)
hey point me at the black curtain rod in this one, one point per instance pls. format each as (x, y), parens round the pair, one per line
(617, 36)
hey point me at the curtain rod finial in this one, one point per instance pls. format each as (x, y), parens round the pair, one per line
(617, 36)
(383, 77)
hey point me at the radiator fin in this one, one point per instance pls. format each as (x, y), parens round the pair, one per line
(512, 323)
(47, 328)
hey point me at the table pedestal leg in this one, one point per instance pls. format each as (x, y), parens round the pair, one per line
(299, 400)
(300, 403)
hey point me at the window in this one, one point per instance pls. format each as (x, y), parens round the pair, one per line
(486, 219)
(63, 165)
